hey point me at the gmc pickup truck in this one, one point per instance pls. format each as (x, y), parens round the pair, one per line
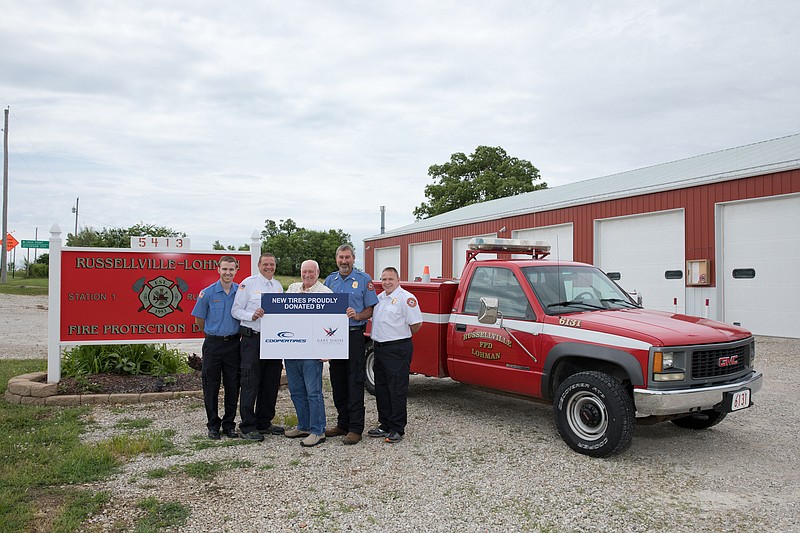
(565, 333)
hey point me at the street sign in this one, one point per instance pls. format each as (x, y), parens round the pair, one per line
(11, 242)
(35, 244)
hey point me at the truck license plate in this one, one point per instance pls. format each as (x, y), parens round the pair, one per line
(740, 400)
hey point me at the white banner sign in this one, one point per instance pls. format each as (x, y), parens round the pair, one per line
(305, 326)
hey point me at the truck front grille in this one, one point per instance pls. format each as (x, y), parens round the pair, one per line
(707, 363)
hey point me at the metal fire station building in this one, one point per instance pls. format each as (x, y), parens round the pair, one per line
(716, 235)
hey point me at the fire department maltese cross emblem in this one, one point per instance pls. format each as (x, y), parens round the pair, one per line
(160, 296)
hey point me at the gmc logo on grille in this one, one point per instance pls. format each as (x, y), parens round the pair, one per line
(728, 361)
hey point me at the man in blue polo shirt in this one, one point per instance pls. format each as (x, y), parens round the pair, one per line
(347, 375)
(212, 314)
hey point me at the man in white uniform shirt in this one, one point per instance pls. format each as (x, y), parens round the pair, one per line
(394, 320)
(260, 378)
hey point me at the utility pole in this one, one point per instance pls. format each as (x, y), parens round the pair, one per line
(3, 259)
(75, 210)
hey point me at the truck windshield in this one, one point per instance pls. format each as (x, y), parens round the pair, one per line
(570, 289)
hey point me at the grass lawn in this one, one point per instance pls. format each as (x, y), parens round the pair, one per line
(22, 285)
(288, 280)
(42, 459)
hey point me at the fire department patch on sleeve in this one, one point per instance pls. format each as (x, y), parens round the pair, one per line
(411, 302)
(370, 286)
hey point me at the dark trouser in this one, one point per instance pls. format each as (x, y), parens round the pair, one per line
(347, 381)
(392, 365)
(260, 380)
(221, 359)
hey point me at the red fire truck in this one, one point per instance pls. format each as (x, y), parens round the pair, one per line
(566, 333)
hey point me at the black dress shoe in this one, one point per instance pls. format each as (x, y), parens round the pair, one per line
(393, 437)
(253, 435)
(272, 430)
(230, 433)
(213, 434)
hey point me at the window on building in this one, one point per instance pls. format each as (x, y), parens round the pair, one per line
(744, 273)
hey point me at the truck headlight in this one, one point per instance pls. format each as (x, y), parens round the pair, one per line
(666, 366)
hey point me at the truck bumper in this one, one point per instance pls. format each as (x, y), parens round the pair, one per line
(672, 402)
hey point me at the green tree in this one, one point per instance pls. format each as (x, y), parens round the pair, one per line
(219, 246)
(292, 245)
(119, 237)
(488, 173)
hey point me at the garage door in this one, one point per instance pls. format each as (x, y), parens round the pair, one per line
(460, 252)
(646, 253)
(761, 265)
(558, 237)
(387, 257)
(421, 255)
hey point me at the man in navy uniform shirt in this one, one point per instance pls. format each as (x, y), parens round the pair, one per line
(347, 375)
(212, 314)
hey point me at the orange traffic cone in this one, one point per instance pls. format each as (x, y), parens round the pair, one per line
(426, 274)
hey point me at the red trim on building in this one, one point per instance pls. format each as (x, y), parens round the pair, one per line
(697, 202)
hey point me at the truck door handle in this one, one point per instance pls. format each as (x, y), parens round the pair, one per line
(461, 327)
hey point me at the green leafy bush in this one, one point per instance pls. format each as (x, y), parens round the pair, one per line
(128, 359)
(37, 270)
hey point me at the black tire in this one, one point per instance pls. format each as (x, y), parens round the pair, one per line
(369, 381)
(594, 414)
(701, 420)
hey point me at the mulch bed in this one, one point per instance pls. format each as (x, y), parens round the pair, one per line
(115, 383)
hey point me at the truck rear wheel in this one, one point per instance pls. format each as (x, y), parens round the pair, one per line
(369, 382)
(594, 414)
(701, 420)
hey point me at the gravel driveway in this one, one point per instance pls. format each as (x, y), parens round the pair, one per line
(471, 461)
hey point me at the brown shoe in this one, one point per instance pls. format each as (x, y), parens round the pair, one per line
(335, 432)
(351, 438)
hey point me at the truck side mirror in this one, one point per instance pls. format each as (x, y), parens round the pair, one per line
(487, 311)
(634, 294)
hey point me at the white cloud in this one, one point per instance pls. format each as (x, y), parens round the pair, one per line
(210, 118)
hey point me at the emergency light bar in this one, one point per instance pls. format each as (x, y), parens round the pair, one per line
(536, 249)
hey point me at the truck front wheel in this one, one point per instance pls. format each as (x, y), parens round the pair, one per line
(594, 414)
(701, 420)
(369, 382)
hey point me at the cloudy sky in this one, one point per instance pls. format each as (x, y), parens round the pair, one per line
(211, 117)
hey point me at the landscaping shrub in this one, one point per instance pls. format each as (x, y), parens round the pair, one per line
(126, 359)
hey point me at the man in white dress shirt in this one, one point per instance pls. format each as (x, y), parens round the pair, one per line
(260, 378)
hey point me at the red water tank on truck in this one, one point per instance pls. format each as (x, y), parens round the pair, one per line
(566, 333)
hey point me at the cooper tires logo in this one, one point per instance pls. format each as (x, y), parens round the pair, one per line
(285, 334)
(160, 296)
